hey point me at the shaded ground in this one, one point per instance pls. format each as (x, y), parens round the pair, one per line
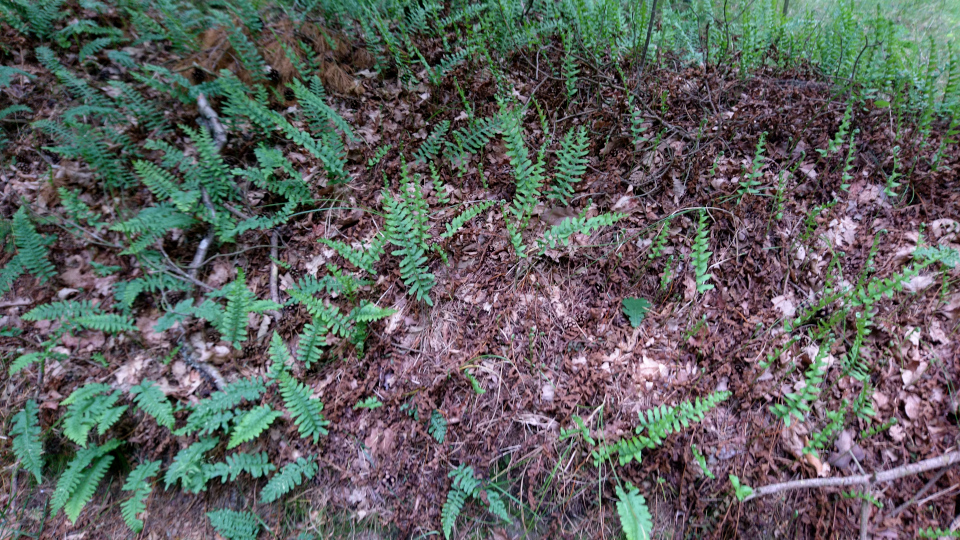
(545, 338)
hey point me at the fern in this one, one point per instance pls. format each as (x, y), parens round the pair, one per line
(406, 228)
(796, 404)
(529, 175)
(151, 224)
(312, 339)
(31, 247)
(247, 54)
(289, 477)
(458, 222)
(432, 145)
(658, 424)
(571, 166)
(252, 424)
(216, 411)
(635, 518)
(700, 257)
(239, 104)
(307, 412)
(27, 446)
(438, 426)
(561, 232)
(362, 259)
(234, 525)
(231, 322)
(79, 481)
(189, 467)
(88, 407)
(141, 488)
(472, 138)
(151, 400)
(256, 465)
(465, 485)
(9, 274)
(321, 115)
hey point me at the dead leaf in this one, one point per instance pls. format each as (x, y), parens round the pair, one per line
(785, 306)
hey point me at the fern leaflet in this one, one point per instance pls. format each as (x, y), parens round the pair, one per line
(252, 424)
(289, 477)
(151, 400)
(141, 488)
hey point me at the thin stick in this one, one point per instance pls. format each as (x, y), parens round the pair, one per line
(940, 462)
(207, 240)
(213, 122)
(926, 487)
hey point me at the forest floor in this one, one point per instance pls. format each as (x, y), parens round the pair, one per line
(512, 350)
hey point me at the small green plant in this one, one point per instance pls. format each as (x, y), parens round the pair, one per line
(742, 491)
(138, 483)
(656, 425)
(406, 228)
(27, 445)
(751, 178)
(700, 257)
(659, 241)
(571, 165)
(438, 426)
(635, 309)
(289, 477)
(370, 402)
(634, 515)
(234, 525)
(465, 485)
(702, 462)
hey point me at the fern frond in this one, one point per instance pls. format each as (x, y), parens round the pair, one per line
(657, 425)
(110, 323)
(27, 446)
(256, 465)
(306, 411)
(328, 315)
(24, 361)
(700, 256)
(560, 233)
(31, 247)
(79, 481)
(635, 517)
(9, 274)
(312, 339)
(363, 259)
(462, 218)
(189, 466)
(215, 412)
(289, 477)
(321, 115)
(151, 400)
(405, 227)
(137, 482)
(571, 166)
(368, 312)
(234, 525)
(252, 424)
(432, 145)
(165, 187)
(90, 406)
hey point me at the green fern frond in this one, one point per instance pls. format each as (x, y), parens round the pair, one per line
(27, 446)
(312, 338)
(252, 424)
(306, 411)
(151, 400)
(328, 315)
(406, 229)
(92, 405)
(9, 274)
(321, 115)
(215, 412)
(472, 138)
(657, 425)
(560, 233)
(368, 312)
(189, 466)
(571, 166)
(462, 218)
(700, 256)
(289, 477)
(31, 247)
(77, 210)
(635, 517)
(165, 186)
(80, 479)
(137, 482)
(24, 361)
(234, 525)
(247, 54)
(151, 224)
(256, 465)
(363, 259)
(432, 145)
(451, 510)
(110, 323)
(438, 426)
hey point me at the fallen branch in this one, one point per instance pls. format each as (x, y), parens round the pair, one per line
(212, 122)
(940, 462)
